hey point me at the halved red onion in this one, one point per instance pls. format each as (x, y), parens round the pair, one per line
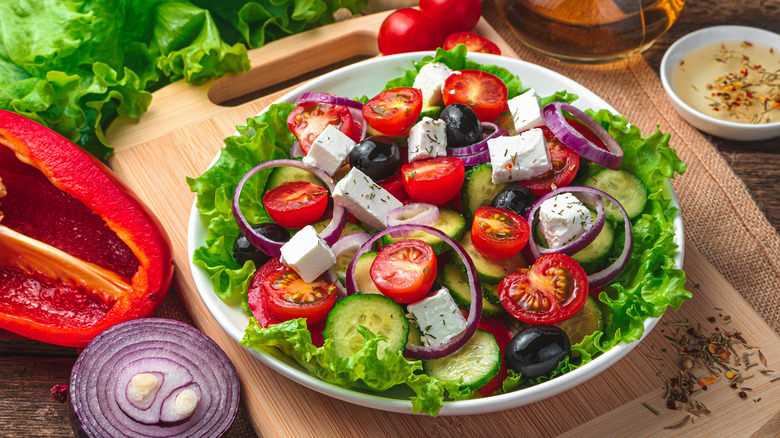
(197, 397)
(346, 246)
(416, 213)
(330, 234)
(555, 120)
(479, 146)
(475, 310)
(579, 243)
(330, 99)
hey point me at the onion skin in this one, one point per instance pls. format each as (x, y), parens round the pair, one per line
(480, 146)
(94, 411)
(554, 119)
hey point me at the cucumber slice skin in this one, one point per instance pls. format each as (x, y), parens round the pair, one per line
(450, 223)
(378, 313)
(478, 189)
(477, 362)
(490, 271)
(456, 281)
(281, 175)
(585, 322)
(624, 186)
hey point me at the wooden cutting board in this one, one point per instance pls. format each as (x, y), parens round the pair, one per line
(183, 131)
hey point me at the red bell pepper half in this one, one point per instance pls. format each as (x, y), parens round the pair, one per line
(79, 252)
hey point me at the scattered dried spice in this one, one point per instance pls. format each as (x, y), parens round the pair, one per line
(680, 424)
(652, 409)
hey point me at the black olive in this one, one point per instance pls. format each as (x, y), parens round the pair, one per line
(378, 157)
(514, 197)
(244, 251)
(537, 350)
(463, 126)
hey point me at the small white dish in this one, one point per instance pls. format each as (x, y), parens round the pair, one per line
(710, 35)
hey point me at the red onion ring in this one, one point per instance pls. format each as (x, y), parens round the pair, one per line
(329, 99)
(554, 119)
(606, 275)
(92, 392)
(330, 234)
(416, 213)
(475, 310)
(348, 243)
(479, 146)
(476, 159)
(296, 151)
(578, 244)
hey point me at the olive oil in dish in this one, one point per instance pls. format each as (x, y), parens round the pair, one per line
(735, 81)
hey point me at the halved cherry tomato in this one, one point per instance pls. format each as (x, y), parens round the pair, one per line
(394, 184)
(405, 270)
(484, 92)
(394, 111)
(565, 163)
(498, 233)
(474, 43)
(289, 297)
(296, 204)
(434, 180)
(552, 290)
(308, 120)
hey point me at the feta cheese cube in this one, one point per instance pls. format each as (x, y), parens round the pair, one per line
(562, 219)
(427, 139)
(438, 316)
(330, 150)
(526, 111)
(519, 157)
(429, 80)
(367, 201)
(307, 254)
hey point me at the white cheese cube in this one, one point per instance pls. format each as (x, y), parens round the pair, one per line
(526, 111)
(307, 254)
(429, 80)
(329, 150)
(367, 201)
(427, 139)
(519, 157)
(562, 219)
(438, 316)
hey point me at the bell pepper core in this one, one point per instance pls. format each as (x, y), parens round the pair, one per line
(79, 252)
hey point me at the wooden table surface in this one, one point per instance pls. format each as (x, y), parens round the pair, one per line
(28, 368)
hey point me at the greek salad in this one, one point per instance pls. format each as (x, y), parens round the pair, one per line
(456, 233)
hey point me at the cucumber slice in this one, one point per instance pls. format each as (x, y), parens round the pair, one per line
(450, 223)
(349, 227)
(281, 175)
(594, 256)
(583, 323)
(624, 186)
(457, 282)
(378, 313)
(478, 189)
(477, 362)
(365, 283)
(491, 271)
(430, 111)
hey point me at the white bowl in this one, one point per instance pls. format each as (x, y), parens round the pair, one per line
(711, 125)
(368, 78)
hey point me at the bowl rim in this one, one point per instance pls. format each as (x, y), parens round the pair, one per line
(494, 403)
(678, 50)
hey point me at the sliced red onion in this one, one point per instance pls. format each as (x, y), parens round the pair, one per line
(479, 146)
(416, 213)
(357, 116)
(347, 245)
(579, 243)
(203, 407)
(330, 234)
(554, 119)
(329, 99)
(296, 151)
(475, 310)
(609, 273)
(476, 159)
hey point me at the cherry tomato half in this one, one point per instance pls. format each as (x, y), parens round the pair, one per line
(289, 297)
(392, 112)
(484, 92)
(405, 270)
(453, 15)
(308, 120)
(474, 43)
(408, 30)
(553, 289)
(434, 180)
(498, 233)
(565, 163)
(296, 204)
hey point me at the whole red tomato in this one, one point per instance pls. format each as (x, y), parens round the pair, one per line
(409, 30)
(453, 15)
